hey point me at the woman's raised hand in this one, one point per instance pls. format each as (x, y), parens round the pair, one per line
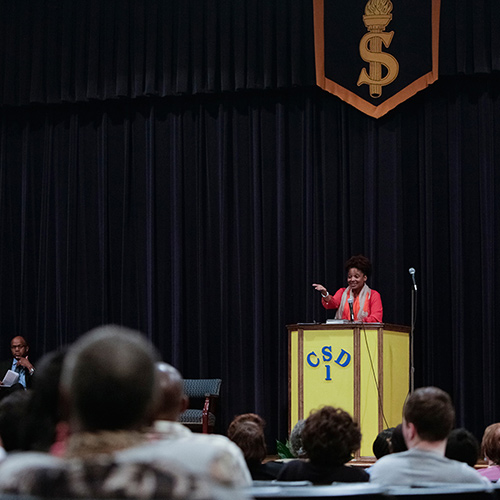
(320, 288)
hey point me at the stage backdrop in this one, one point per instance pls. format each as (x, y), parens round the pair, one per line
(202, 218)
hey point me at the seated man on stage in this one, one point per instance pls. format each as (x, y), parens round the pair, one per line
(428, 418)
(19, 363)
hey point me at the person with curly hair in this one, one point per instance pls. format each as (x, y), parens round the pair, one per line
(366, 303)
(330, 437)
(244, 417)
(490, 448)
(397, 441)
(247, 431)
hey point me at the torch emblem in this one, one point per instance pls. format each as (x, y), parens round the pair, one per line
(377, 17)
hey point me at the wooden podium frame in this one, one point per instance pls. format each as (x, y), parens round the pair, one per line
(362, 368)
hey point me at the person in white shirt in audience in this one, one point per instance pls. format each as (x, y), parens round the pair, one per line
(108, 388)
(209, 454)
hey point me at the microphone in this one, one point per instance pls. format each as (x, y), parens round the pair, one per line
(350, 300)
(412, 273)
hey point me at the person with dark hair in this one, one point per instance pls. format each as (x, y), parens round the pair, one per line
(382, 444)
(366, 303)
(245, 417)
(490, 449)
(330, 438)
(397, 440)
(20, 364)
(428, 417)
(109, 386)
(249, 436)
(462, 446)
(13, 412)
(43, 415)
(247, 431)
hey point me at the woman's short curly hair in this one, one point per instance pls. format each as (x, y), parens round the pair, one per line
(490, 444)
(330, 436)
(245, 417)
(359, 262)
(249, 436)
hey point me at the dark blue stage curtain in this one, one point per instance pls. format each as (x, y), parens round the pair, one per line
(55, 51)
(203, 221)
(75, 50)
(470, 39)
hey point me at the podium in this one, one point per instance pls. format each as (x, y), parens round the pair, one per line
(362, 368)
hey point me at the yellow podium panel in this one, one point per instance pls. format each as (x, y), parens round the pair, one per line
(361, 368)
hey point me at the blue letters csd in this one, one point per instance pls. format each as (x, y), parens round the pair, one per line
(343, 359)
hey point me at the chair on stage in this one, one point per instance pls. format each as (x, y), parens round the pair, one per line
(203, 395)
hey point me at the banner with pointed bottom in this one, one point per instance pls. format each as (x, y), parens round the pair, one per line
(376, 54)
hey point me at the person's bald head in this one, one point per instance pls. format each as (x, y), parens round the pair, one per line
(171, 400)
(108, 379)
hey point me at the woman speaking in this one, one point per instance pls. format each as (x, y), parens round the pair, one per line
(366, 303)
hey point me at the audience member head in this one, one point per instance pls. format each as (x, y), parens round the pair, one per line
(397, 440)
(462, 446)
(490, 444)
(295, 440)
(330, 436)
(430, 413)
(44, 408)
(382, 444)
(108, 380)
(13, 411)
(249, 436)
(171, 399)
(245, 417)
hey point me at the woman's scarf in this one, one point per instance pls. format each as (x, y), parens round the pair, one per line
(361, 303)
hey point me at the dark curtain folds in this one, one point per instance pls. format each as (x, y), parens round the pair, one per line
(203, 220)
(469, 38)
(68, 51)
(54, 51)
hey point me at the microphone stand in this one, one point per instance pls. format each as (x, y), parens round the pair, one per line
(412, 331)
